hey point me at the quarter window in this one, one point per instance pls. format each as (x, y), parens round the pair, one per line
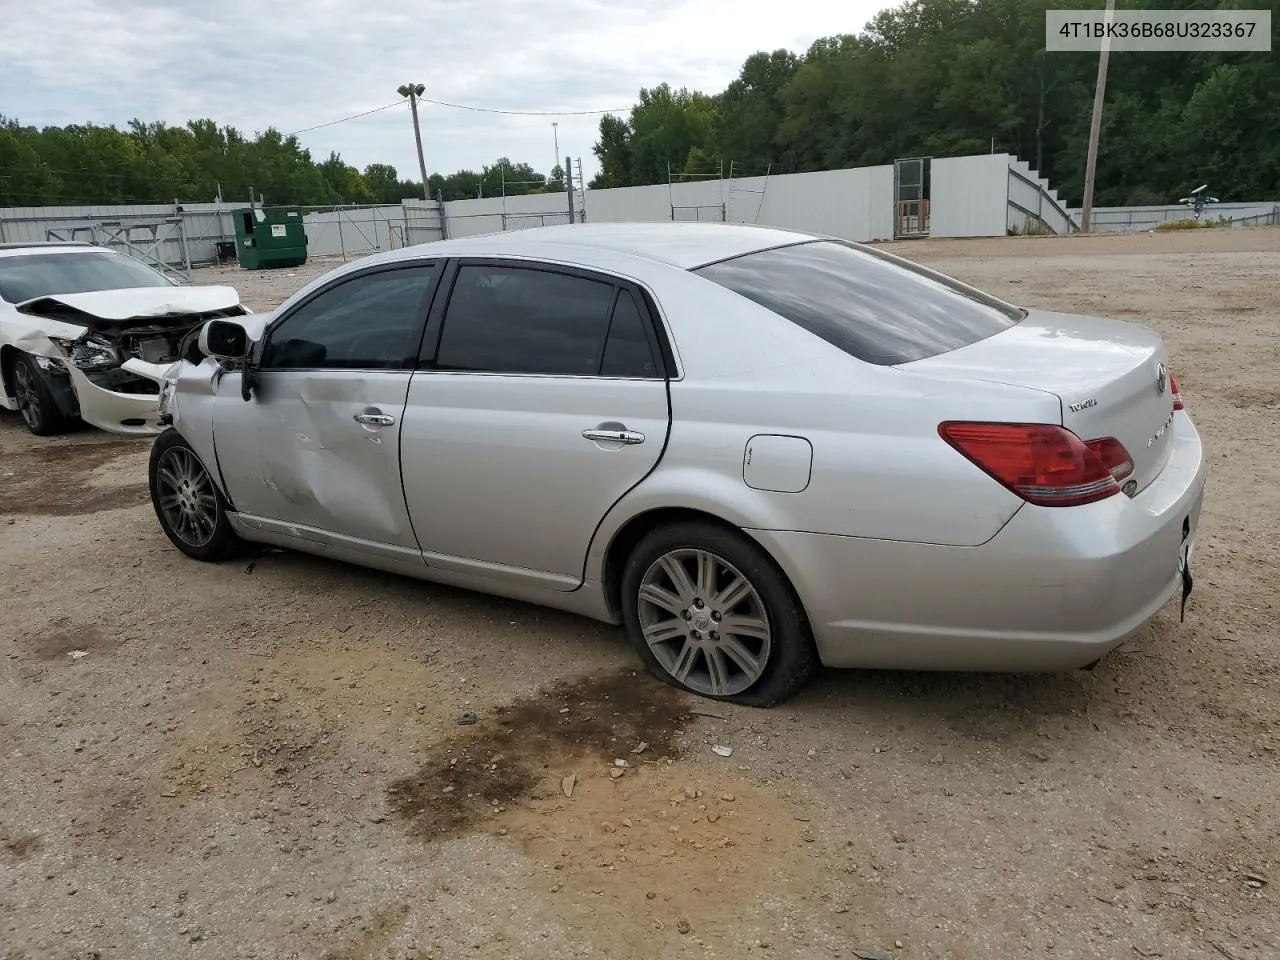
(369, 322)
(627, 351)
(524, 321)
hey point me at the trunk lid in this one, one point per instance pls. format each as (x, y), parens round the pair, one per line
(1110, 376)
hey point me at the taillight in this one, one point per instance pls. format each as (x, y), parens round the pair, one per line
(1044, 464)
(1177, 394)
(1113, 456)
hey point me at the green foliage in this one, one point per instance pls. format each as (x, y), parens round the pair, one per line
(1189, 223)
(157, 163)
(613, 150)
(948, 77)
(925, 78)
(1030, 228)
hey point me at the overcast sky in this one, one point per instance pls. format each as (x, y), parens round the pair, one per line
(258, 63)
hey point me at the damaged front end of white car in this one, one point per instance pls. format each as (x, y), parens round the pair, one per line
(109, 357)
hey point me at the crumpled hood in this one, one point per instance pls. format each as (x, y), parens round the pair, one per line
(138, 303)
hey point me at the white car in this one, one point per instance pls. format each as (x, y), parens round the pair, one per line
(759, 450)
(88, 333)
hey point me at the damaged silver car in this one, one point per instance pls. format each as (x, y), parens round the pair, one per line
(88, 333)
(759, 450)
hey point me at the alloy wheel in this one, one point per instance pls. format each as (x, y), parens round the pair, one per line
(186, 496)
(705, 622)
(27, 395)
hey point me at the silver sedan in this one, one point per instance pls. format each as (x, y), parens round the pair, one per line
(759, 450)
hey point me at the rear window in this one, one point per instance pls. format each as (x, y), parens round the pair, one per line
(880, 309)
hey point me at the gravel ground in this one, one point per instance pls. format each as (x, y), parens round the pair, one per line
(262, 759)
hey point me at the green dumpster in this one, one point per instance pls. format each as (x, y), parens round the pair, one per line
(269, 237)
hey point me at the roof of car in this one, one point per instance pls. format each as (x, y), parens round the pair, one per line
(683, 245)
(45, 246)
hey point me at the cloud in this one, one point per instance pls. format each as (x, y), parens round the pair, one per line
(253, 64)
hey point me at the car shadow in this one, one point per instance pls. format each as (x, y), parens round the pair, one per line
(976, 706)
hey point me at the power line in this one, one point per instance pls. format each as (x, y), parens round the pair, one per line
(524, 113)
(354, 116)
(466, 106)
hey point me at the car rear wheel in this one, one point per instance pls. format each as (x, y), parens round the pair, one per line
(190, 507)
(710, 612)
(35, 400)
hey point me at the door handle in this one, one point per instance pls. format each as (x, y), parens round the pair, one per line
(613, 436)
(376, 419)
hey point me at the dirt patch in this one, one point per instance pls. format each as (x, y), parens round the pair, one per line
(22, 847)
(217, 784)
(661, 846)
(667, 849)
(74, 477)
(1246, 399)
(371, 939)
(63, 640)
(592, 720)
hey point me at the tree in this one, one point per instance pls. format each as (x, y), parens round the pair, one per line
(752, 108)
(613, 150)
(504, 178)
(948, 77)
(924, 78)
(665, 125)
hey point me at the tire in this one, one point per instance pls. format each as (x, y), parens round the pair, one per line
(35, 398)
(190, 507)
(766, 659)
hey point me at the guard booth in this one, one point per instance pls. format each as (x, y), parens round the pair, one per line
(268, 237)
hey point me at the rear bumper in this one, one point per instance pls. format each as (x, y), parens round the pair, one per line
(1056, 588)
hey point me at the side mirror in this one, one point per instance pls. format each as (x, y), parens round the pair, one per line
(224, 340)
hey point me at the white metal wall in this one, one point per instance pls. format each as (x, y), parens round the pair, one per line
(1129, 219)
(353, 230)
(703, 199)
(468, 218)
(855, 204)
(203, 224)
(969, 196)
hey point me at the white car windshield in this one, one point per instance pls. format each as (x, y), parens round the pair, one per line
(48, 274)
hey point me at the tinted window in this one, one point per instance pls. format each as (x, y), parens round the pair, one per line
(627, 352)
(518, 320)
(878, 309)
(27, 276)
(366, 323)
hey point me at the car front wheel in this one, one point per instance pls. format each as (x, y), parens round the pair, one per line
(708, 611)
(189, 505)
(34, 398)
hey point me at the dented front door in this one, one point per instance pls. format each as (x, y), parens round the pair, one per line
(315, 453)
(319, 451)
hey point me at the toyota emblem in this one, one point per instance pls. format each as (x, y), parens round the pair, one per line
(1162, 377)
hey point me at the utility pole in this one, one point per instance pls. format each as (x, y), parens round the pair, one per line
(1095, 124)
(555, 132)
(568, 187)
(413, 91)
(582, 185)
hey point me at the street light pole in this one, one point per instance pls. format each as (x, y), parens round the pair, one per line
(413, 91)
(1095, 125)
